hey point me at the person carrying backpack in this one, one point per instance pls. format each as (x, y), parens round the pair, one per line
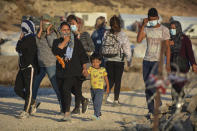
(182, 56)
(115, 46)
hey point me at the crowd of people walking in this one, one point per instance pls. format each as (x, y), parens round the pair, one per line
(65, 53)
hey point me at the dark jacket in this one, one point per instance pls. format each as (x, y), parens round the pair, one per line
(97, 38)
(74, 66)
(27, 49)
(186, 52)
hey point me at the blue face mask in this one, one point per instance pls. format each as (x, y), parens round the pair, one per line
(173, 31)
(152, 23)
(73, 28)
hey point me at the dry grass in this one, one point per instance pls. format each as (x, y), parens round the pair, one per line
(130, 80)
(9, 70)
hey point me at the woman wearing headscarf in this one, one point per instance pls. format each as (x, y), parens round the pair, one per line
(70, 65)
(27, 50)
(182, 57)
(77, 28)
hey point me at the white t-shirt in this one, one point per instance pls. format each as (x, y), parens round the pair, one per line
(155, 37)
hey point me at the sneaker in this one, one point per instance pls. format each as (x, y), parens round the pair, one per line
(76, 111)
(23, 115)
(85, 105)
(109, 100)
(116, 103)
(61, 113)
(66, 118)
(94, 118)
(34, 108)
(149, 116)
(100, 114)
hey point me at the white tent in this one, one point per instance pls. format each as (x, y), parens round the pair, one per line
(128, 20)
(185, 21)
(89, 18)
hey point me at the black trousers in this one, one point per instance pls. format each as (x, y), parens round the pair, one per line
(22, 86)
(115, 71)
(65, 85)
(77, 91)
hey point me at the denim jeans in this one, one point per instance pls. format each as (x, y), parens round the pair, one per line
(149, 68)
(51, 72)
(97, 98)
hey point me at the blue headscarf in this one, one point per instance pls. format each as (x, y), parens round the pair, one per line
(28, 28)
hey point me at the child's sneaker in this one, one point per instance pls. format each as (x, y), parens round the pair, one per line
(23, 115)
(94, 118)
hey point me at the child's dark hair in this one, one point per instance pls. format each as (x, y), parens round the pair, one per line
(152, 12)
(63, 24)
(95, 56)
(71, 17)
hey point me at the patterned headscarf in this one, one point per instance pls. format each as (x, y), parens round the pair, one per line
(28, 28)
(70, 48)
(175, 49)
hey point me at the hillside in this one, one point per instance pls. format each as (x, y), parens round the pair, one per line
(12, 10)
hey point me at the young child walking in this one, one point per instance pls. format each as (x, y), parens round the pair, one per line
(97, 77)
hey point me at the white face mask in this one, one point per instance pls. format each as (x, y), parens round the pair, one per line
(152, 23)
(73, 28)
(173, 31)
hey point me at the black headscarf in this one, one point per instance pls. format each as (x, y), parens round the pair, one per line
(175, 49)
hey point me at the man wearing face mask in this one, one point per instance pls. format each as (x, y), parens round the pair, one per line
(182, 56)
(156, 35)
(46, 59)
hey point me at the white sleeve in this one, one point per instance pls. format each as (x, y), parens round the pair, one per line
(126, 46)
